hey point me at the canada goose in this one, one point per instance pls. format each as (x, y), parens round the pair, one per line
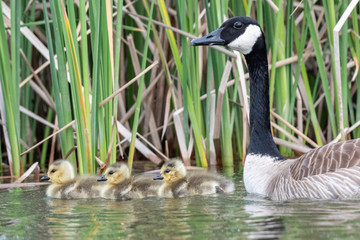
(328, 172)
(179, 184)
(66, 185)
(121, 186)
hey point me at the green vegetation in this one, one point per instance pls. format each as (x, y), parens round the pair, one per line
(84, 78)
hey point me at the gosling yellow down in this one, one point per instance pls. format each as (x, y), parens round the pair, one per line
(121, 186)
(179, 184)
(66, 186)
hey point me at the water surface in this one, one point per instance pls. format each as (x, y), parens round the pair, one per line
(28, 213)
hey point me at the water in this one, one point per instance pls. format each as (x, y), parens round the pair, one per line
(28, 214)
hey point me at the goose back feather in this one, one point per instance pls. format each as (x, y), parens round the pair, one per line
(328, 158)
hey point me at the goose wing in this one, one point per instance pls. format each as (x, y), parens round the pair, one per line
(328, 158)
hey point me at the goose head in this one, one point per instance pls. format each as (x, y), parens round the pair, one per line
(172, 171)
(242, 34)
(60, 171)
(116, 173)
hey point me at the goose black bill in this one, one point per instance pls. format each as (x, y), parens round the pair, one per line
(212, 38)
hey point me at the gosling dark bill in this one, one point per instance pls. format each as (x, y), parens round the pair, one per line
(158, 177)
(44, 178)
(102, 178)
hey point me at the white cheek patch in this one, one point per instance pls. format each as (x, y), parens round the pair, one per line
(245, 42)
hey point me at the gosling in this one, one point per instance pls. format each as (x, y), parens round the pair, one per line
(66, 186)
(180, 184)
(121, 186)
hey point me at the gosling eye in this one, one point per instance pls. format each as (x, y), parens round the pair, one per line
(54, 170)
(111, 172)
(238, 25)
(167, 171)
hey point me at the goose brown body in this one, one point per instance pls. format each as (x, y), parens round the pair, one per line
(331, 171)
(328, 172)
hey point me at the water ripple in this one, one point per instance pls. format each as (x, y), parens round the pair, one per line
(28, 213)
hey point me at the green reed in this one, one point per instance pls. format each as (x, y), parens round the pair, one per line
(90, 59)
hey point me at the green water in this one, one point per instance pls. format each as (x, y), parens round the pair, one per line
(28, 214)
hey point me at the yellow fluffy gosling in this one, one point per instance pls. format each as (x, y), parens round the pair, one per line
(179, 184)
(65, 185)
(121, 186)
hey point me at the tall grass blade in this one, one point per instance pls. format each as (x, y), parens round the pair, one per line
(139, 95)
(321, 65)
(10, 87)
(60, 88)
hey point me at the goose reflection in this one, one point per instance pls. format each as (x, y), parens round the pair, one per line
(264, 221)
(310, 216)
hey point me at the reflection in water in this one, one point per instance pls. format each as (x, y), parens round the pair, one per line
(304, 218)
(174, 214)
(28, 213)
(266, 223)
(88, 217)
(266, 228)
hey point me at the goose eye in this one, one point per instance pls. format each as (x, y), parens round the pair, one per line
(167, 171)
(238, 25)
(111, 172)
(52, 171)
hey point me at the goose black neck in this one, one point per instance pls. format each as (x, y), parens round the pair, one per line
(261, 140)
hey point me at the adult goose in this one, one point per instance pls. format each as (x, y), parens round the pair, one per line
(328, 172)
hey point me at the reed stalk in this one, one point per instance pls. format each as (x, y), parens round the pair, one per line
(139, 95)
(91, 57)
(60, 88)
(9, 79)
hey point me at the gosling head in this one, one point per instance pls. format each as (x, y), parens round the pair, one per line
(60, 171)
(116, 173)
(172, 171)
(242, 34)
